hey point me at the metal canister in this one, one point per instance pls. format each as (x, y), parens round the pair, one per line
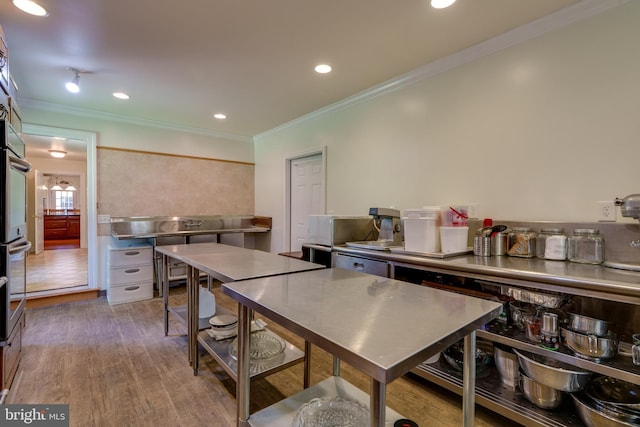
(481, 245)
(550, 331)
(499, 243)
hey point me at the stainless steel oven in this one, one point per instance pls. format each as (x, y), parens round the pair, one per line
(13, 228)
(13, 194)
(13, 294)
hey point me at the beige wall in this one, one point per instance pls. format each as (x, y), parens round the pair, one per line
(541, 130)
(147, 184)
(143, 170)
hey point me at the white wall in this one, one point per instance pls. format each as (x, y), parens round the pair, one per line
(538, 131)
(131, 136)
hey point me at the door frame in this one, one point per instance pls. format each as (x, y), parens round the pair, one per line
(90, 138)
(287, 199)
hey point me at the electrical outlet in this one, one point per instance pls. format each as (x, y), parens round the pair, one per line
(606, 211)
(104, 219)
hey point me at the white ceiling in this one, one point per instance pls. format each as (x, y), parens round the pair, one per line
(182, 61)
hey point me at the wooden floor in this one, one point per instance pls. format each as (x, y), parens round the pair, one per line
(57, 269)
(114, 367)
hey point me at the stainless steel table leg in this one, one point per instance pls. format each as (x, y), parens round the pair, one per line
(307, 364)
(189, 310)
(195, 318)
(377, 402)
(164, 284)
(244, 381)
(469, 380)
(336, 366)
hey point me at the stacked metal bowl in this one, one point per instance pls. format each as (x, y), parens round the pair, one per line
(543, 381)
(454, 355)
(608, 402)
(590, 338)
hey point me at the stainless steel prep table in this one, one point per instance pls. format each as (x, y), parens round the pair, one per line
(225, 263)
(383, 327)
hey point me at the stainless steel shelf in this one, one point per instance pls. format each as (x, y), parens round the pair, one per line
(283, 413)
(498, 397)
(620, 367)
(219, 350)
(180, 312)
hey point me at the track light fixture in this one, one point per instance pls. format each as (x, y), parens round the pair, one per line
(73, 86)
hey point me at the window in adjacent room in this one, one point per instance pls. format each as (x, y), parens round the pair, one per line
(64, 199)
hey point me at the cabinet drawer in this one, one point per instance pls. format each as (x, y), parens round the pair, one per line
(365, 265)
(133, 256)
(130, 293)
(132, 274)
(11, 354)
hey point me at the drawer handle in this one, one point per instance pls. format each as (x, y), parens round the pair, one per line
(132, 288)
(132, 270)
(358, 266)
(132, 253)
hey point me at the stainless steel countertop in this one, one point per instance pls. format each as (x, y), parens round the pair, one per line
(533, 270)
(381, 326)
(253, 229)
(228, 263)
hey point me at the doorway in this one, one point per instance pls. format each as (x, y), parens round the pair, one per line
(305, 194)
(70, 262)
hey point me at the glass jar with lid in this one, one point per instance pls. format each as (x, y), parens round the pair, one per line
(551, 243)
(586, 246)
(522, 242)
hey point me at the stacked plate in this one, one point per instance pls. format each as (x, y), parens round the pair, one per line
(224, 323)
(264, 345)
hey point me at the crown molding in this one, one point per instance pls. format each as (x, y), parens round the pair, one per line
(58, 108)
(547, 24)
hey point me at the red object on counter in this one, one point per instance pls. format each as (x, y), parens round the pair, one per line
(487, 222)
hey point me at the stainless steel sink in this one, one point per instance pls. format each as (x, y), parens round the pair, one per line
(155, 226)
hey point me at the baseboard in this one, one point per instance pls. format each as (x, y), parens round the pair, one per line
(53, 298)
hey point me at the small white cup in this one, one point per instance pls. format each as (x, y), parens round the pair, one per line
(453, 239)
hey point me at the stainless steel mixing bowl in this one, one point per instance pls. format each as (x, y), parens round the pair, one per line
(542, 396)
(588, 325)
(507, 364)
(590, 346)
(552, 373)
(594, 417)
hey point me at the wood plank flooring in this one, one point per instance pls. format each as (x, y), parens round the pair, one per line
(114, 367)
(57, 269)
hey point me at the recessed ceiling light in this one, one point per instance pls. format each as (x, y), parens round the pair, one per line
(58, 154)
(441, 4)
(220, 116)
(30, 7)
(323, 68)
(121, 95)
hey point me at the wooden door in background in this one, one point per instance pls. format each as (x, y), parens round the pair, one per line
(307, 196)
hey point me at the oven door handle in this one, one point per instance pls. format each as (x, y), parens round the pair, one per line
(21, 165)
(20, 248)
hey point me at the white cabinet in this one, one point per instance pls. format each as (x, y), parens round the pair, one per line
(130, 271)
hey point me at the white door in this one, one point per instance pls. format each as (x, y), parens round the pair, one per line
(40, 206)
(307, 196)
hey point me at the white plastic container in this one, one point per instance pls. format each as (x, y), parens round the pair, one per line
(454, 239)
(421, 229)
